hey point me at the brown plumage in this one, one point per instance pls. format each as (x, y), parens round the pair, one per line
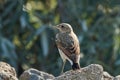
(68, 45)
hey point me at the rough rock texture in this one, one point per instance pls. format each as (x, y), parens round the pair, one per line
(33, 74)
(7, 72)
(107, 76)
(91, 72)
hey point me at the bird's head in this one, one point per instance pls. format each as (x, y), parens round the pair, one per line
(64, 28)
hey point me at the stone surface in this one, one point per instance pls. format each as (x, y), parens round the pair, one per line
(117, 77)
(33, 74)
(7, 72)
(107, 76)
(91, 72)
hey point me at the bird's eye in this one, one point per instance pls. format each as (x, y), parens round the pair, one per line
(62, 26)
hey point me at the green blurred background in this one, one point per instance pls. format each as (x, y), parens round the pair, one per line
(27, 39)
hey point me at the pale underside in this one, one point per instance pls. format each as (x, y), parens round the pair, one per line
(64, 57)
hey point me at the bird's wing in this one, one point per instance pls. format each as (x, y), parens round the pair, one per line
(70, 47)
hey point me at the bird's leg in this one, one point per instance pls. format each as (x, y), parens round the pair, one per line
(63, 65)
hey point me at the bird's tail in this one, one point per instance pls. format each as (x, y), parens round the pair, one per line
(75, 66)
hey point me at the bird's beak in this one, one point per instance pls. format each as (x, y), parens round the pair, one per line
(56, 27)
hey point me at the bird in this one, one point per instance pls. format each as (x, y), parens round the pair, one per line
(68, 45)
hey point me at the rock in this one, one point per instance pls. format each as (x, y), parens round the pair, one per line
(107, 76)
(117, 77)
(33, 74)
(7, 72)
(91, 72)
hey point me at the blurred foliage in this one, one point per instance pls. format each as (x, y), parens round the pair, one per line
(27, 39)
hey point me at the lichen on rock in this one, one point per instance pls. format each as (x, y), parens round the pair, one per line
(7, 72)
